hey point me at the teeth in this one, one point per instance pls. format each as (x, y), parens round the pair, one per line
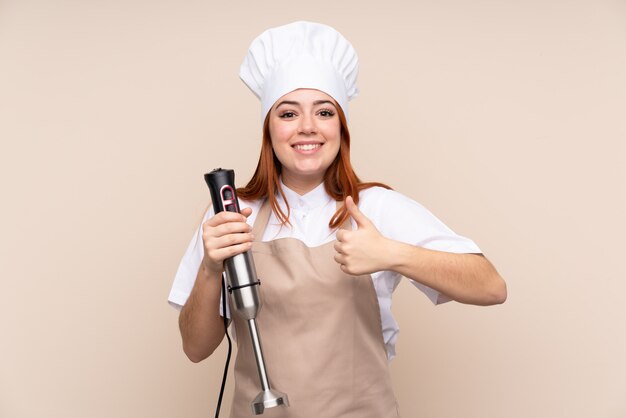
(307, 147)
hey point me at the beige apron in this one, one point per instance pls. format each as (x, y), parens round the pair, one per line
(321, 335)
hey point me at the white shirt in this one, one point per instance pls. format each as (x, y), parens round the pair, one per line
(396, 217)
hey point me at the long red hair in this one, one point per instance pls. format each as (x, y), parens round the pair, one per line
(340, 180)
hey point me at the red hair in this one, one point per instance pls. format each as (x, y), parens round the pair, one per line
(340, 180)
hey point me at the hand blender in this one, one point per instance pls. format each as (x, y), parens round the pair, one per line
(242, 286)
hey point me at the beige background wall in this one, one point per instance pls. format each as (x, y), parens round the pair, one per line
(505, 118)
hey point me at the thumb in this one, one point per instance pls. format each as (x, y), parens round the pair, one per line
(355, 213)
(246, 212)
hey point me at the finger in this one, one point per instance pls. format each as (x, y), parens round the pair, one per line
(339, 248)
(229, 228)
(224, 253)
(340, 235)
(229, 240)
(355, 213)
(340, 259)
(246, 212)
(224, 217)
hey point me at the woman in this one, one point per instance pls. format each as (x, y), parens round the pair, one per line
(328, 248)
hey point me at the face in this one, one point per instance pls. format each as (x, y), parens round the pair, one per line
(305, 131)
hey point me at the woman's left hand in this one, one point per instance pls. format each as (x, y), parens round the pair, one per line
(363, 250)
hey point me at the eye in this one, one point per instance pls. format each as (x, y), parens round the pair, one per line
(287, 114)
(327, 113)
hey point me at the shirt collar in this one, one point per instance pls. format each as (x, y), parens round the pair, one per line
(312, 200)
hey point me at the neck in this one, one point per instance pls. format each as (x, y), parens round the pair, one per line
(301, 185)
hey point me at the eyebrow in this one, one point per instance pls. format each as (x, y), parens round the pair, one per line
(293, 103)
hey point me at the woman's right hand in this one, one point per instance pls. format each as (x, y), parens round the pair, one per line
(225, 235)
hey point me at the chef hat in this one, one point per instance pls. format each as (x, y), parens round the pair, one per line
(300, 55)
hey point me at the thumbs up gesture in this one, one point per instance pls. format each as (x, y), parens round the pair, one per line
(363, 250)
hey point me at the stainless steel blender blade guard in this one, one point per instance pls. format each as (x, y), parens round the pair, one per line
(268, 399)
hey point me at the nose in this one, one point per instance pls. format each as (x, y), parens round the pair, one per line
(307, 125)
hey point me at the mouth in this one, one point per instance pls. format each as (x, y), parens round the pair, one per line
(307, 147)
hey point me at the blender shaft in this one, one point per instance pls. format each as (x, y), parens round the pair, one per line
(258, 354)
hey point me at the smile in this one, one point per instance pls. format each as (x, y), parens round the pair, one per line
(306, 147)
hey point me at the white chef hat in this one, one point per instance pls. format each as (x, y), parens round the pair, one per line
(300, 55)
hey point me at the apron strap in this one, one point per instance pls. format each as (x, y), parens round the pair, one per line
(260, 223)
(347, 224)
